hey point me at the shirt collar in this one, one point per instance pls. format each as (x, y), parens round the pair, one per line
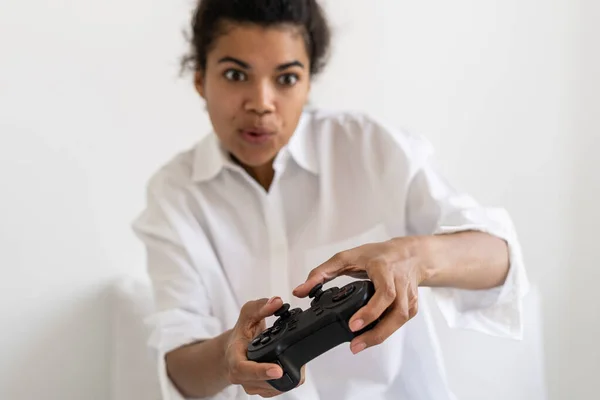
(210, 158)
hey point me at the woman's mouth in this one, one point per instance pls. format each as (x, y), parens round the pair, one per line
(256, 136)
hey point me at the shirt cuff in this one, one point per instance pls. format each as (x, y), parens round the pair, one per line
(497, 311)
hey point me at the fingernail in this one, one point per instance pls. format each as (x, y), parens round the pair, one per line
(358, 347)
(356, 325)
(272, 299)
(274, 373)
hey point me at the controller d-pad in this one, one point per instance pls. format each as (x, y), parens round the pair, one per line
(343, 293)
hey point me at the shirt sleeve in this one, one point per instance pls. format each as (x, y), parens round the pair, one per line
(182, 308)
(434, 206)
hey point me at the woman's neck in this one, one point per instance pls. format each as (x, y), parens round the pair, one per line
(262, 174)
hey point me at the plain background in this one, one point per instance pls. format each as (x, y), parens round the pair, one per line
(91, 104)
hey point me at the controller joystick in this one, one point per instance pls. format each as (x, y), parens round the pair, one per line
(316, 291)
(299, 336)
(283, 311)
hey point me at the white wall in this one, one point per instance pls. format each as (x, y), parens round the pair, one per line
(90, 105)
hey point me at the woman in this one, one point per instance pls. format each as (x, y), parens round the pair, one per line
(279, 198)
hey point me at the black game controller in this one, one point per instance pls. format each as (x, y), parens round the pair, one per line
(299, 336)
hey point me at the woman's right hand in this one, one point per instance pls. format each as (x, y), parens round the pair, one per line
(250, 375)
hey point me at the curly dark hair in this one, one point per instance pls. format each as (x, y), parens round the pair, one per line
(210, 15)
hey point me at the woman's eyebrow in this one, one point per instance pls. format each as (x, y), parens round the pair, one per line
(289, 65)
(245, 65)
(235, 61)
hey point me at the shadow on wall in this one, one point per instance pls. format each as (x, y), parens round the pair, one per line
(67, 360)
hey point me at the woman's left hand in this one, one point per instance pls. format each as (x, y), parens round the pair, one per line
(396, 267)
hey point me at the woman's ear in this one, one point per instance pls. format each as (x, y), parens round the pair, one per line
(199, 83)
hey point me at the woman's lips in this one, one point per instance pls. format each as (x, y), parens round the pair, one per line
(256, 136)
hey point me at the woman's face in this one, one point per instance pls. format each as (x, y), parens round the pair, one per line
(255, 85)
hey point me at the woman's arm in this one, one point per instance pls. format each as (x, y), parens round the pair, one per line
(180, 262)
(206, 368)
(466, 260)
(200, 369)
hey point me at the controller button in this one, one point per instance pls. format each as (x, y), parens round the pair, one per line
(256, 341)
(342, 294)
(265, 340)
(292, 327)
(276, 330)
(319, 311)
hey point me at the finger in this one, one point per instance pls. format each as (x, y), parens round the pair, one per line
(302, 375)
(413, 301)
(255, 311)
(263, 390)
(323, 273)
(385, 294)
(385, 328)
(243, 370)
(249, 371)
(399, 313)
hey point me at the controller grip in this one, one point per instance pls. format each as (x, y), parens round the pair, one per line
(292, 375)
(306, 350)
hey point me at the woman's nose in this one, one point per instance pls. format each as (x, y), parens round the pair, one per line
(261, 98)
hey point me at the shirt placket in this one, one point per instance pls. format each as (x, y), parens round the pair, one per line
(278, 245)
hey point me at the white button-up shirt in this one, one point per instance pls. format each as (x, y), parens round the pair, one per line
(216, 239)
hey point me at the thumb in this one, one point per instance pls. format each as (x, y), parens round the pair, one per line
(254, 312)
(322, 274)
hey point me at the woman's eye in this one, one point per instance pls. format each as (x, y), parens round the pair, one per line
(234, 75)
(288, 79)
